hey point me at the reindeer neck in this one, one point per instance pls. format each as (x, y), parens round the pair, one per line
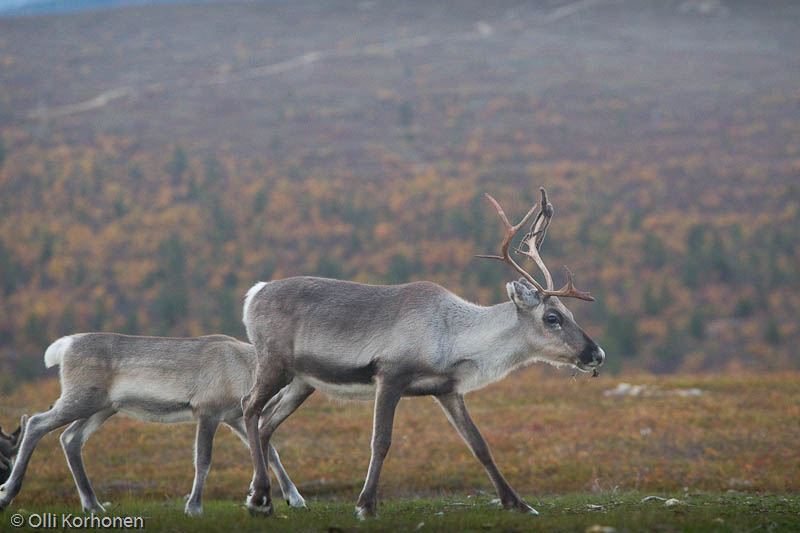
(490, 340)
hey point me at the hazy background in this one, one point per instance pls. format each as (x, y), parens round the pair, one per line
(157, 160)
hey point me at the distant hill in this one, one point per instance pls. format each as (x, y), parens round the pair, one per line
(42, 7)
(157, 160)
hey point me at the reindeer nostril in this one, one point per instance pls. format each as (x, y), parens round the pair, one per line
(599, 356)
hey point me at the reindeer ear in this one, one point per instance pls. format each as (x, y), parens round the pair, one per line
(523, 297)
(19, 433)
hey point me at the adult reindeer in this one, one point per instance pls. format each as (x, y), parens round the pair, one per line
(357, 341)
(156, 379)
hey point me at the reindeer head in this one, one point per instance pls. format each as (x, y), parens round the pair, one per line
(9, 445)
(550, 328)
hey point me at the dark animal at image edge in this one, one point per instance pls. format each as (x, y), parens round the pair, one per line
(9, 446)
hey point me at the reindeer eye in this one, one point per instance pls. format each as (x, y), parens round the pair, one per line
(553, 319)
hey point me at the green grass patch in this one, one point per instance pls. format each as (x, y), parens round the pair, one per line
(702, 511)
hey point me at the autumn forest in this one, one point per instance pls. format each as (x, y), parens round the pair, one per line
(146, 183)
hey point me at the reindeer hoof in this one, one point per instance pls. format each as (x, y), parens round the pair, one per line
(294, 499)
(96, 508)
(517, 504)
(362, 513)
(297, 504)
(523, 507)
(263, 508)
(193, 510)
(5, 500)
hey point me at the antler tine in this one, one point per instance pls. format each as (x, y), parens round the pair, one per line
(510, 232)
(534, 238)
(533, 242)
(569, 290)
(548, 211)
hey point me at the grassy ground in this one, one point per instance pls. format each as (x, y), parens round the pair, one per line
(562, 442)
(576, 512)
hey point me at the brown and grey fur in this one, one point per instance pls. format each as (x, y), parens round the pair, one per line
(154, 379)
(9, 445)
(357, 341)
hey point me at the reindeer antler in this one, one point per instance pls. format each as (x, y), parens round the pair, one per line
(510, 232)
(533, 241)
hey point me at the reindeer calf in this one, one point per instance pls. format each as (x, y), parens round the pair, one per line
(154, 379)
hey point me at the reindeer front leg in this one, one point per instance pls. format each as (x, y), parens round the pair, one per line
(456, 411)
(386, 398)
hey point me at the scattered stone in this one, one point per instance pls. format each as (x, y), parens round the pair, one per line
(672, 502)
(593, 507)
(648, 498)
(626, 389)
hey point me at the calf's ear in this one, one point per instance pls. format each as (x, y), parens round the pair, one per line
(19, 433)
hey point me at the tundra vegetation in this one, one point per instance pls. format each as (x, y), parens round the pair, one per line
(728, 452)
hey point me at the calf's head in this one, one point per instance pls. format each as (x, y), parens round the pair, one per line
(9, 445)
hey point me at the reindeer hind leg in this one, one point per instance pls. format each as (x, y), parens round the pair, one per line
(268, 383)
(72, 440)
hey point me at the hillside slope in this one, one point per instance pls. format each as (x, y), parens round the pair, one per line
(155, 161)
